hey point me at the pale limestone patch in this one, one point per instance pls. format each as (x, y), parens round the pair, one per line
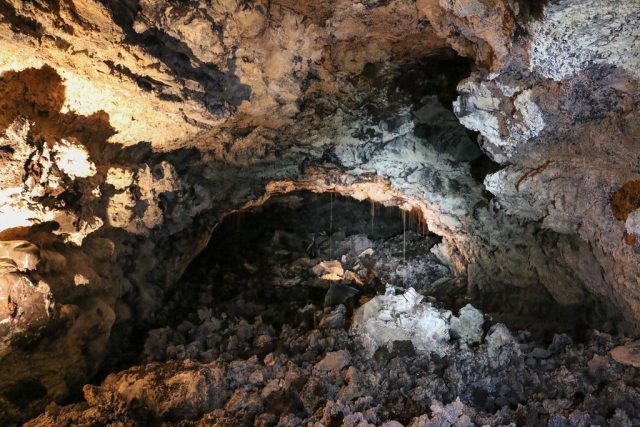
(574, 35)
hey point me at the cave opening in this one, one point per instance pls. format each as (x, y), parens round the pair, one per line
(274, 259)
(287, 260)
(284, 288)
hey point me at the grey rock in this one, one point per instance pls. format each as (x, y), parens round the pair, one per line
(339, 294)
(334, 318)
(501, 346)
(467, 327)
(334, 361)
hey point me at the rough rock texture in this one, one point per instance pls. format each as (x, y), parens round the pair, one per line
(569, 148)
(467, 327)
(585, 34)
(388, 318)
(129, 128)
(220, 367)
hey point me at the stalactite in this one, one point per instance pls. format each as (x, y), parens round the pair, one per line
(404, 246)
(373, 214)
(331, 225)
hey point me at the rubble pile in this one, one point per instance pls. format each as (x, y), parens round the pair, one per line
(294, 339)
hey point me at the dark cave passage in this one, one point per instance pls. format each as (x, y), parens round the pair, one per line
(282, 289)
(300, 254)
(268, 253)
(271, 249)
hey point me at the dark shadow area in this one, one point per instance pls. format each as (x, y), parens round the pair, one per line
(24, 392)
(434, 75)
(532, 10)
(437, 74)
(301, 224)
(19, 24)
(535, 310)
(428, 85)
(483, 166)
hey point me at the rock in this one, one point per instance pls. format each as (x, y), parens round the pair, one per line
(329, 270)
(339, 294)
(501, 346)
(335, 318)
(313, 393)
(559, 343)
(621, 418)
(289, 420)
(178, 389)
(553, 406)
(579, 419)
(356, 420)
(155, 346)
(265, 420)
(366, 253)
(540, 353)
(476, 106)
(403, 348)
(599, 367)
(359, 244)
(25, 255)
(455, 413)
(435, 120)
(264, 343)
(274, 395)
(467, 327)
(25, 307)
(557, 421)
(628, 354)
(389, 318)
(567, 41)
(241, 387)
(333, 361)
(357, 385)
(244, 400)
(350, 276)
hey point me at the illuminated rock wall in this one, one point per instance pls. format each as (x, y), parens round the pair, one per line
(129, 128)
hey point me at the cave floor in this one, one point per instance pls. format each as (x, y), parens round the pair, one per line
(261, 331)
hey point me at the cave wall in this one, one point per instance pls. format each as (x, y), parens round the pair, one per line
(563, 122)
(130, 127)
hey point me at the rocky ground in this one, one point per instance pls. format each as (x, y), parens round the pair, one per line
(278, 324)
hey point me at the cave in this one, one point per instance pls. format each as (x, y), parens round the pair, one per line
(289, 275)
(343, 212)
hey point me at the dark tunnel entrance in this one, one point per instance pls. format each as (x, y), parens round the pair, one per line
(314, 251)
(281, 291)
(298, 246)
